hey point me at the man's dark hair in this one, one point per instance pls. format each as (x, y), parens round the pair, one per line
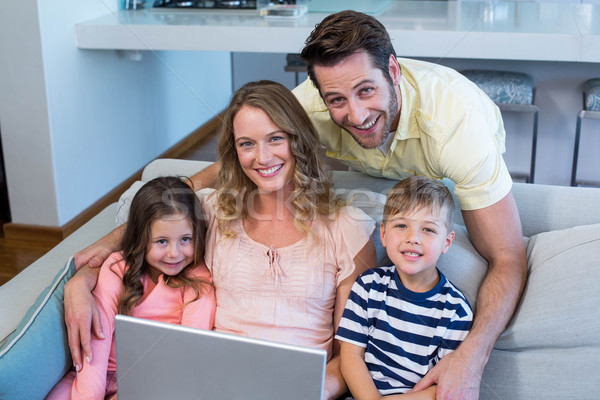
(341, 35)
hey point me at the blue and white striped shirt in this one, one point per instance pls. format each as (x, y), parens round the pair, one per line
(405, 333)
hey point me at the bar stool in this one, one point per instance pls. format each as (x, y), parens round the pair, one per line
(295, 64)
(513, 92)
(591, 109)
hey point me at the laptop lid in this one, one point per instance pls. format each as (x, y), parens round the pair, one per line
(157, 360)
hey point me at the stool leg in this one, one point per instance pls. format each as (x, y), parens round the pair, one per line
(536, 117)
(576, 151)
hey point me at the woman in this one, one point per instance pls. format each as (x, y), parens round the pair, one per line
(283, 250)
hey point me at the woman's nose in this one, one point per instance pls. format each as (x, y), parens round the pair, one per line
(263, 155)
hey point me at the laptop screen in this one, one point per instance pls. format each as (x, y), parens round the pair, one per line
(157, 360)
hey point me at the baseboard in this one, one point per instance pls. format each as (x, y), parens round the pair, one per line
(57, 234)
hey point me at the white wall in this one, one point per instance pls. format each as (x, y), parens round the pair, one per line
(75, 123)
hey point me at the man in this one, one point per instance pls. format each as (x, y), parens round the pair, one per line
(395, 120)
(397, 117)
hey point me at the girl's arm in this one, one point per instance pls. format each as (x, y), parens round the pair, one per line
(365, 259)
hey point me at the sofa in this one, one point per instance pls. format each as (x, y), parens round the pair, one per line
(549, 350)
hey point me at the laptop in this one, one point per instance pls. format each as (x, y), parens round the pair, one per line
(157, 360)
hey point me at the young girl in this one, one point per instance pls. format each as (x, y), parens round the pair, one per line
(158, 275)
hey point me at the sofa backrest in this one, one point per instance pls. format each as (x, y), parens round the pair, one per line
(542, 207)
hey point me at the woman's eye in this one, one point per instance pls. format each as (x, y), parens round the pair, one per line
(244, 144)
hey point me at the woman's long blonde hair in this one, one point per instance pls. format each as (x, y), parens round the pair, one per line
(313, 189)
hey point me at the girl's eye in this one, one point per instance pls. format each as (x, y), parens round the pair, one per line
(186, 239)
(161, 241)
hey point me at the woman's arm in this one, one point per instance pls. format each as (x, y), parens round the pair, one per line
(365, 259)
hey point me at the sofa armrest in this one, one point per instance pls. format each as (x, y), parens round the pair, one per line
(18, 294)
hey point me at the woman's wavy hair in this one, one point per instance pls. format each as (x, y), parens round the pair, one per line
(313, 189)
(158, 198)
(342, 34)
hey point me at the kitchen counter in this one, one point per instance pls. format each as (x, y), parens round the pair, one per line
(534, 31)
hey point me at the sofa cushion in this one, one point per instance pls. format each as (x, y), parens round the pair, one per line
(557, 309)
(36, 355)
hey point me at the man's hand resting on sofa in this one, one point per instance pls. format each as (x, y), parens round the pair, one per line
(81, 312)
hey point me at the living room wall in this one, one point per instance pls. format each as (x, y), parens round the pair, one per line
(76, 123)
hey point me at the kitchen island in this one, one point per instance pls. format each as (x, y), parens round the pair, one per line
(535, 31)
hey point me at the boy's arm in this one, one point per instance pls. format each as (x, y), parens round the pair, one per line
(355, 372)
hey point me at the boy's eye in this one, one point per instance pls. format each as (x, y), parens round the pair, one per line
(400, 226)
(429, 230)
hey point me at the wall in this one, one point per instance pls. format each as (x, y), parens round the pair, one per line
(76, 123)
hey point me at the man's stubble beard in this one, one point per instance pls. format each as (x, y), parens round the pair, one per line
(390, 116)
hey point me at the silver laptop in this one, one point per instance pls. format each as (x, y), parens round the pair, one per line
(156, 361)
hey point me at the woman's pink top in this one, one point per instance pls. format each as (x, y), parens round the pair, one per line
(159, 303)
(283, 294)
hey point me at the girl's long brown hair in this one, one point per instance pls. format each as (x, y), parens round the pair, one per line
(158, 198)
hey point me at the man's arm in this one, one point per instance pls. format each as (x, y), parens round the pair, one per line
(496, 234)
(207, 178)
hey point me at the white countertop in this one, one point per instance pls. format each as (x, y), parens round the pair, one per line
(543, 31)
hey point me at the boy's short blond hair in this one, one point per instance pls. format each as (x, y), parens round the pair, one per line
(417, 192)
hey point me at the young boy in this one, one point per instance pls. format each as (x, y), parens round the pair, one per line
(400, 320)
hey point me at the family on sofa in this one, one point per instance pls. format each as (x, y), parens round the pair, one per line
(382, 115)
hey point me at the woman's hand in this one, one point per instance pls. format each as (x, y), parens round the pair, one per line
(81, 313)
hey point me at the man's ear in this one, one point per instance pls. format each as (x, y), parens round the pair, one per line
(395, 71)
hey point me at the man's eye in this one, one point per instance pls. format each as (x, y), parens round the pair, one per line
(366, 90)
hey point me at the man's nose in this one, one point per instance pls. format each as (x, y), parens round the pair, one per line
(357, 113)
